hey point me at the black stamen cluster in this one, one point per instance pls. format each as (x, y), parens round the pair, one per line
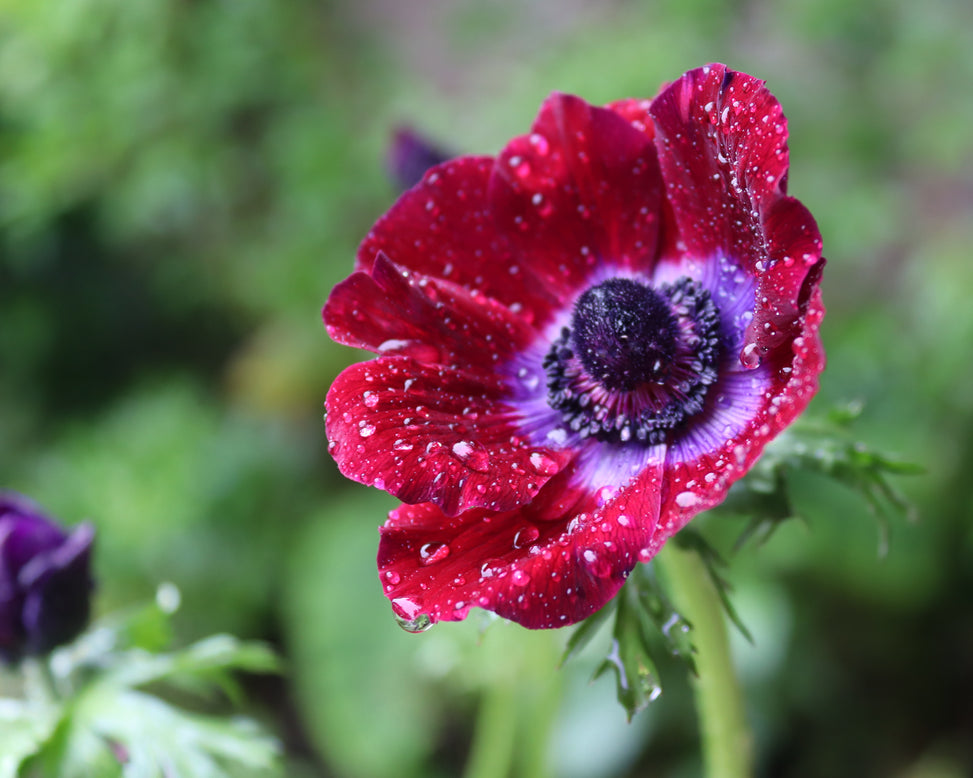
(624, 334)
(637, 362)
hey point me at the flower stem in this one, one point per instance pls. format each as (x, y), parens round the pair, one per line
(496, 731)
(726, 739)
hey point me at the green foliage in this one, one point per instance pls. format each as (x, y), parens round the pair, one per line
(645, 628)
(644, 619)
(88, 711)
(182, 182)
(827, 448)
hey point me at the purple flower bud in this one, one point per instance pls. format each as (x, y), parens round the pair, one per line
(410, 155)
(45, 580)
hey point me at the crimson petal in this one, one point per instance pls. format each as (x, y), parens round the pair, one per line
(722, 141)
(428, 433)
(581, 188)
(395, 311)
(539, 572)
(444, 228)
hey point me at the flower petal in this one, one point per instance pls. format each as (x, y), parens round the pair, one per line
(583, 188)
(410, 155)
(722, 141)
(395, 311)
(444, 228)
(703, 464)
(538, 571)
(58, 587)
(433, 434)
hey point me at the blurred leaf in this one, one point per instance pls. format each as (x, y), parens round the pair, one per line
(712, 561)
(585, 631)
(826, 448)
(630, 657)
(358, 677)
(23, 729)
(197, 667)
(150, 737)
(105, 726)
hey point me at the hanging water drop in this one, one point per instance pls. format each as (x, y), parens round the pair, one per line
(420, 623)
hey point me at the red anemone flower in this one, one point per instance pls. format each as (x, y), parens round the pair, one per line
(582, 343)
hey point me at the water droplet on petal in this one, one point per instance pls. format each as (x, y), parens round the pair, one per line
(520, 578)
(598, 565)
(366, 430)
(431, 553)
(392, 577)
(540, 143)
(370, 399)
(473, 455)
(749, 357)
(525, 536)
(543, 463)
(686, 499)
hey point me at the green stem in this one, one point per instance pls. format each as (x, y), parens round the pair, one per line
(726, 740)
(496, 731)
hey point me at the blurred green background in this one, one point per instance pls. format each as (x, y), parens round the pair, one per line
(183, 181)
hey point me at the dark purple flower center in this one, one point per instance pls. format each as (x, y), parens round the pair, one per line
(624, 334)
(637, 361)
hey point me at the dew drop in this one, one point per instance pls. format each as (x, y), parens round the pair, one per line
(686, 499)
(392, 577)
(420, 623)
(749, 357)
(370, 399)
(520, 578)
(366, 430)
(463, 449)
(543, 463)
(431, 553)
(525, 536)
(473, 455)
(598, 565)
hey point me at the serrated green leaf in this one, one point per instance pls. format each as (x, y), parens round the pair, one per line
(825, 448)
(630, 658)
(712, 561)
(155, 739)
(23, 731)
(671, 626)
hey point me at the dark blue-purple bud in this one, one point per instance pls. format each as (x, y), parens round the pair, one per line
(45, 579)
(410, 155)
